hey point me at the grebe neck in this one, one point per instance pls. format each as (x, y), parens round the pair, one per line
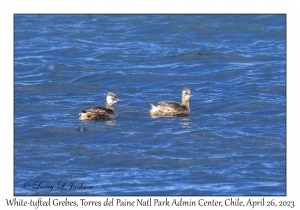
(185, 103)
(109, 106)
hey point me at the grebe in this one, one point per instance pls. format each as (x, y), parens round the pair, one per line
(100, 113)
(173, 108)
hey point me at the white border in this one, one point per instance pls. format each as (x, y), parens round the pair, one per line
(9, 8)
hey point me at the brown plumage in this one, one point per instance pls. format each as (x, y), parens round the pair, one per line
(101, 113)
(173, 108)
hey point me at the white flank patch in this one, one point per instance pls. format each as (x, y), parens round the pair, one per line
(82, 114)
(154, 107)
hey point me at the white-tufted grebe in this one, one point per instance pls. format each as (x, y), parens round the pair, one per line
(100, 113)
(173, 108)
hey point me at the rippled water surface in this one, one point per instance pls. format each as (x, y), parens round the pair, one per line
(233, 142)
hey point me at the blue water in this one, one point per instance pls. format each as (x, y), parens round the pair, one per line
(233, 142)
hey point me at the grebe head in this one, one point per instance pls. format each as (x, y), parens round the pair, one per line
(186, 93)
(112, 98)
